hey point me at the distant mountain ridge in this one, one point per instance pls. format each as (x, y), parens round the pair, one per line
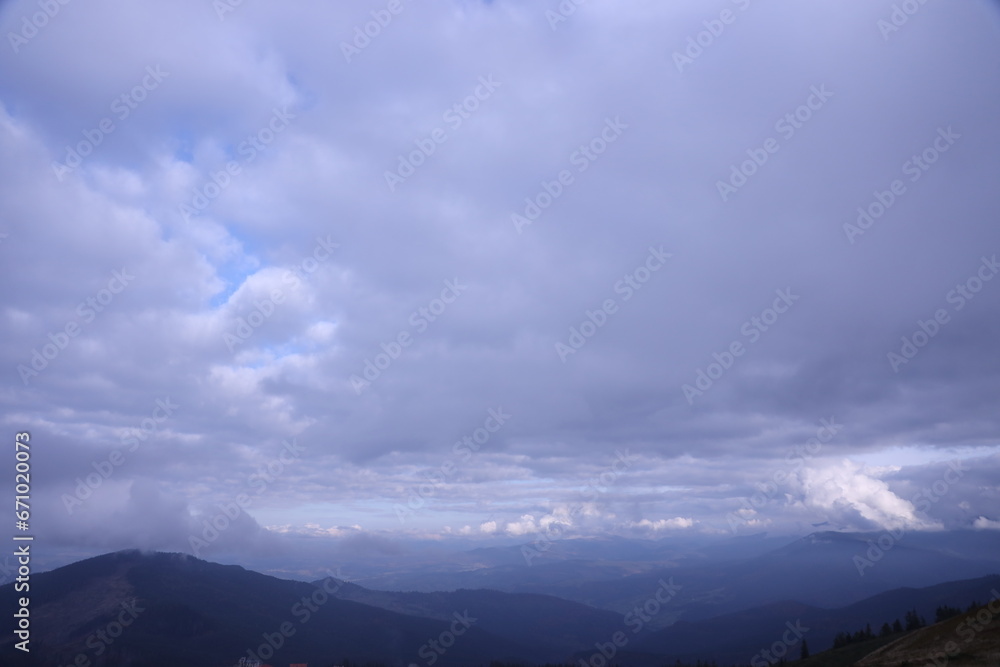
(540, 620)
(818, 570)
(153, 609)
(754, 629)
(197, 613)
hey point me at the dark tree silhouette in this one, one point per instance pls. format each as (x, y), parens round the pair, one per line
(914, 621)
(944, 612)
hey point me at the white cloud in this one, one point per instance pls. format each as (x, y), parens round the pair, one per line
(315, 530)
(982, 523)
(525, 526)
(848, 492)
(676, 523)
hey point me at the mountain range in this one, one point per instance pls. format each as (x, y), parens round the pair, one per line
(152, 609)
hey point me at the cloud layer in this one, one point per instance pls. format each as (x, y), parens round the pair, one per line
(499, 269)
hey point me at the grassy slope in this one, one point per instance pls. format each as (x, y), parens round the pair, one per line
(968, 648)
(922, 647)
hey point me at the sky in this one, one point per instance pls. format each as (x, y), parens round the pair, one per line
(373, 272)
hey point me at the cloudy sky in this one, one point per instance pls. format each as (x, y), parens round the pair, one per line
(399, 270)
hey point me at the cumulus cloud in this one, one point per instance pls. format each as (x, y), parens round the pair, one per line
(982, 523)
(525, 526)
(315, 530)
(551, 523)
(663, 524)
(854, 495)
